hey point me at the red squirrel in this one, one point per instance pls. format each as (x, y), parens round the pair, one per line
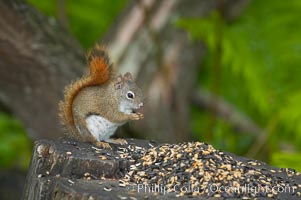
(95, 105)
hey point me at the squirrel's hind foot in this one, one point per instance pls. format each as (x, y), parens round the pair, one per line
(103, 145)
(117, 141)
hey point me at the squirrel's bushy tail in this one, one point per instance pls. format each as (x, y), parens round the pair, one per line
(99, 64)
(100, 73)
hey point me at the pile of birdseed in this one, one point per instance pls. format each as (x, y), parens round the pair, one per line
(199, 169)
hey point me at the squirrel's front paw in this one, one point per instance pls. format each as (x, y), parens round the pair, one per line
(136, 116)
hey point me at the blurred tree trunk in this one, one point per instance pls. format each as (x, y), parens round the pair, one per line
(165, 63)
(38, 58)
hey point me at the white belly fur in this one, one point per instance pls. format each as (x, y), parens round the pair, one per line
(101, 128)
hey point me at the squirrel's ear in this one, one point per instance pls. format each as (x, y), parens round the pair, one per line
(118, 82)
(128, 76)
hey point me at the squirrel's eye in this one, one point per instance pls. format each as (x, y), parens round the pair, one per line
(130, 95)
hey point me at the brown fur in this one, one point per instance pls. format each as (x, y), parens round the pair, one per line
(100, 73)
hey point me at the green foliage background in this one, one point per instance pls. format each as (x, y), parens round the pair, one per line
(260, 74)
(88, 20)
(15, 147)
